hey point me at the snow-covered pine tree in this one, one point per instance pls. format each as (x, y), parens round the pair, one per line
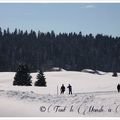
(22, 76)
(40, 79)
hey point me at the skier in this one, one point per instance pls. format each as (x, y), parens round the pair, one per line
(70, 89)
(118, 87)
(62, 89)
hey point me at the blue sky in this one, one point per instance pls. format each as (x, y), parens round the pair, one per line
(62, 17)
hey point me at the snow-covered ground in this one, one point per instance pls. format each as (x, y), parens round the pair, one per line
(93, 95)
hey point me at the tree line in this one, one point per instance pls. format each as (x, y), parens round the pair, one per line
(70, 51)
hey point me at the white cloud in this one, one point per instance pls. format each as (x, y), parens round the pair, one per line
(88, 6)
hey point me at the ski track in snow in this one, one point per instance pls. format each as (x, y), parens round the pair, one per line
(32, 96)
(82, 100)
(85, 100)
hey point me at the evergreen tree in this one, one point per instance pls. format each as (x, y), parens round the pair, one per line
(40, 79)
(22, 77)
(47, 50)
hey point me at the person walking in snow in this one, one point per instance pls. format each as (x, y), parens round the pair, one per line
(70, 89)
(118, 87)
(62, 89)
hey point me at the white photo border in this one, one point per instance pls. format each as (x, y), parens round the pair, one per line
(59, 1)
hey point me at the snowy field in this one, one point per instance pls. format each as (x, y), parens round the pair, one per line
(94, 95)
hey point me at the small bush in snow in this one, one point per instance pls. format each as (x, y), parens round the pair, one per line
(114, 74)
